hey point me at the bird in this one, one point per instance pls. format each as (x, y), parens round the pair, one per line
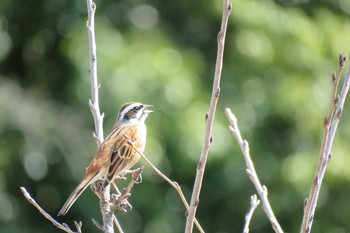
(115, 155)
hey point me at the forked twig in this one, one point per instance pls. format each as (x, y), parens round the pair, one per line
(227, 8)
(175, 185)
(114, 202)
(119, 201)
(330, 127)
(262, 190)
(115, 220)
(254, 202)
(61, 226)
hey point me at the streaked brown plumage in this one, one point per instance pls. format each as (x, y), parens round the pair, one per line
(115, 155)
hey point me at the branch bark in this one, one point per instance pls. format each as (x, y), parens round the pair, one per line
(227, 7)
(254, 202)
(330, 127)
(262, 190)
(61, 226)
(107, 217)
(94, 101)
(174, 184)
(111, 203)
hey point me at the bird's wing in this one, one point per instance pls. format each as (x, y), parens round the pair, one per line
(113, 156)
(122, 155)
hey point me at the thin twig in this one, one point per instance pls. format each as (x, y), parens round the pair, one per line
(330, 127)
(120, 201)
(116, 222)
(94, 101)
(254, 202)
(262, 190)
(62, 226)
(334, 99)
(118, 193)
(97, 224)
(227, 7)
(175, 185)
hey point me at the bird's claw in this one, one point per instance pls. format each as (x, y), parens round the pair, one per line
(121, 176)
(123, 204)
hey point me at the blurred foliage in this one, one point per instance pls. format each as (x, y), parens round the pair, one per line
(276, 78)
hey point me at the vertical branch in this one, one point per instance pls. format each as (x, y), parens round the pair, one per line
(107, 215)
(330, 127)
(94, 101)
(227, 7)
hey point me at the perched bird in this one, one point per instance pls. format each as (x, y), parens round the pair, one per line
(115, 155)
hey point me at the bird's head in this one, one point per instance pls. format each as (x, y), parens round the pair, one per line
(132, 112)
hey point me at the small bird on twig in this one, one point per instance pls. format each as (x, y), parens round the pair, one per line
(115, 155)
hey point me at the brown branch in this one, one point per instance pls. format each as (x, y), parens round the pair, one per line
(175, 185)
(330, 127)
(61, 226)
(227, 7)
(262, 190)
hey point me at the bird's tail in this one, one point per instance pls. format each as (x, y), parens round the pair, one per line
(75, 194)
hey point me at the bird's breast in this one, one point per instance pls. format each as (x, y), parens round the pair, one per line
(141, 136)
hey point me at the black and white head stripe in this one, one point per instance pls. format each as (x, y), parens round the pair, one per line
(133, 111)
(130, 109)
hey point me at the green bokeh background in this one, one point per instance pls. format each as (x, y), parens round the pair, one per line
(276, 79)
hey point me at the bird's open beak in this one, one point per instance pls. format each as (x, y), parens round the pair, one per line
(147, 106)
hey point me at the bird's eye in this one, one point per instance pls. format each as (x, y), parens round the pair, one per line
(136, 108)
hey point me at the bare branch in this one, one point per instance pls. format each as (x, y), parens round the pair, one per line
(111, 203)
(227, 7)
(330, 127)
(97, 224)
(119, 193)
(175, 185)
(94, 101)
(107, 217)
(119, 201)
(115, 220)
(262, 190)
(254, 202)
(62, 226)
